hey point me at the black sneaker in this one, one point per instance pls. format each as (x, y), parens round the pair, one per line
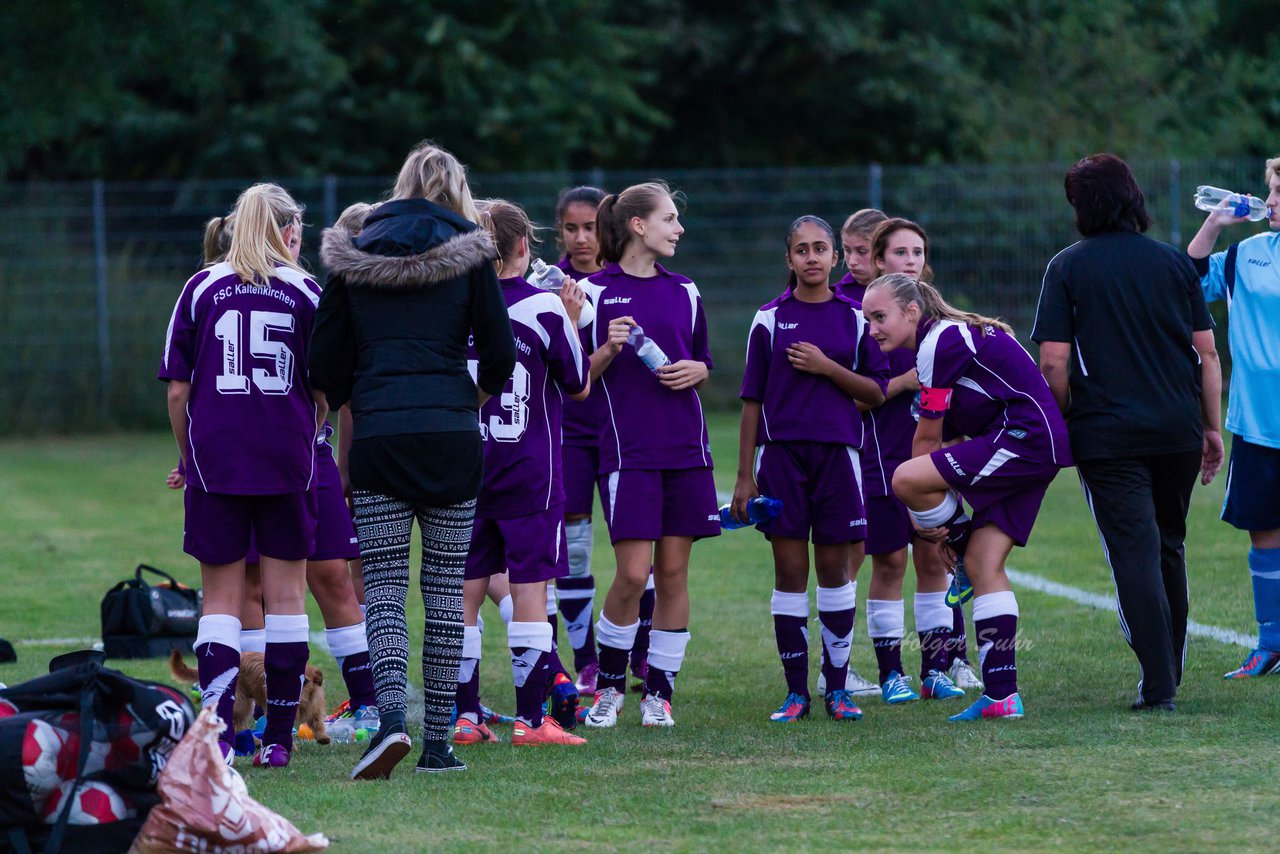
(1141, 705)
(438, 758)
(385, 751)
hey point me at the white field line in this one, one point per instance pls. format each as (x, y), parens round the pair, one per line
(1108, 603)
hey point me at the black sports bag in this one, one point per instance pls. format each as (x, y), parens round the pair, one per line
(141, 620)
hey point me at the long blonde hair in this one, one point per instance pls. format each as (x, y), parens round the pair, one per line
(257, 244)
(906, 290)
(431, 173)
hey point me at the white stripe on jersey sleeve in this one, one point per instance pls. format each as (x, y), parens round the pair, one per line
(527, 310)
(593, 292)
(217, 273)
(766, 317)
(927, 350)
(692, 290)
(301, 281)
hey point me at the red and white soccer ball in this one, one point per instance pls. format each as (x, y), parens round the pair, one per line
(7, 709)
(41, 745)
(94, 803)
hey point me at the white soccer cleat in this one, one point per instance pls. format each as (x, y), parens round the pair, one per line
(855, 684)
(655, 711)
(604, 711)
(963, 676)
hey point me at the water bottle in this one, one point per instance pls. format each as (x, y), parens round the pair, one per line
(1209, 198)
(545, 276)
(762, 508)
(649, 352)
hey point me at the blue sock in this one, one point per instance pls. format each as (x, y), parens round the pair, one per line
(1264, 566)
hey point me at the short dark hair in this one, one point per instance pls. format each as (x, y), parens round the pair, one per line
(1106, 196)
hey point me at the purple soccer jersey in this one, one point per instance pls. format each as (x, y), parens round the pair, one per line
(582, 418)
(996, 390)
(797, 406)
(646, 424)
(522, 426)
(887, 429)
(244, 347)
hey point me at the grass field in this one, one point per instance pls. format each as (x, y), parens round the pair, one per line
(1080, 772)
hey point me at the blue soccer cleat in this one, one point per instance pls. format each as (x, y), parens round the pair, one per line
(985, 707)
(795, 707)
(841, 707)
(938, 686)
(1260, 662)
(961, 590)
(895, 690)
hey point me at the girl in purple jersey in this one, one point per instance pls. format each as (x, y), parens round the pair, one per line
(902, 246)
(519, 527)
(246, 425)
(974, 374)
(655, 459)
(576, 228)
(334, 567)
(809, 360)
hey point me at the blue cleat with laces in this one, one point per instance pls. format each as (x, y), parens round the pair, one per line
(938, 686)
(985, 707)
(895, 690)
(1260, 662)
(841, 707)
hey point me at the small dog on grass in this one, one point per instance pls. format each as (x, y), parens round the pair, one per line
(251, 687)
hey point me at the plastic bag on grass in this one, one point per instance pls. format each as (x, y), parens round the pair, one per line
(204, 805)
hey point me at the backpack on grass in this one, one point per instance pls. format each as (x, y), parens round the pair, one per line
(141, 620)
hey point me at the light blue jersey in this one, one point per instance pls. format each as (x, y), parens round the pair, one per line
(1247, 276)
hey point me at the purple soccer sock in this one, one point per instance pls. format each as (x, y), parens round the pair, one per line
(886, 621)
(995, 620)
(350, 646)
(468, 699)
(615, 648)
(217, 651)
(576, 596)
(285, 664)
(640, 651)
(790, 629)
(666, 657)
(957, 640)
(835, 614)
(933, 627)
(530, 668)
(933, 651)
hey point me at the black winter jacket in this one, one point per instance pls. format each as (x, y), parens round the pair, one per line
(393, 323)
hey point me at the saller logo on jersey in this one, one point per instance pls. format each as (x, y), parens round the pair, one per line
(619, 300)
(788, 325)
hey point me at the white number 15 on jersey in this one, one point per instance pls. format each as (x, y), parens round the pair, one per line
(277, 380)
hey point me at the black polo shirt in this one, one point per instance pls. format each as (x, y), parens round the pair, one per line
(1128, 305)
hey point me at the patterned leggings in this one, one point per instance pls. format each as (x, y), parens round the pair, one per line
(384, 525)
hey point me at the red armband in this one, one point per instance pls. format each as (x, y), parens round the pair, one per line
(935, 399)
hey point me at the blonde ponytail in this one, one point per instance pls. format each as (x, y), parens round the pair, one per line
(257, 245)
(906, 290)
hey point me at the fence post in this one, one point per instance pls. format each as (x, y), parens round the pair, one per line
(875, 177)
(100, 262)
(330, 200)
(1175, 225)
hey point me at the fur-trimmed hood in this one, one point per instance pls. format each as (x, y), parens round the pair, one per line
(406, 244)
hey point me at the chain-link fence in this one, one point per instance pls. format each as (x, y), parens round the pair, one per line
(89, 271)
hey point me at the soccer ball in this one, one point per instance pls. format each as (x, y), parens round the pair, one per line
(7, 709)
(94, 803)
(41, 744)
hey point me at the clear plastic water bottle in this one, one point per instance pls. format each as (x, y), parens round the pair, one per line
(1211, 198)
(648, 351)
(762, 508)
(545, 276)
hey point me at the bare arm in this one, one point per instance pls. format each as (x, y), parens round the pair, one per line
(179, 394)
(604, 355)
(1055, 362)
(928, 437)
(748, 434)
(1201, 246)
(1210, 404)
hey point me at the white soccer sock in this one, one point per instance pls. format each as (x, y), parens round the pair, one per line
(666, 650)
(940, 515)
(789, 604)
(931, 612)
(618, 637)
(886, 618)
(253, 640)
(994, 605)
(346, 640)
(219, 628)
(579, 537)
(288, 628)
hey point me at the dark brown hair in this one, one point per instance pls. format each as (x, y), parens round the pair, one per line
(507, 222)
(886, 229)
(1106, 196)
